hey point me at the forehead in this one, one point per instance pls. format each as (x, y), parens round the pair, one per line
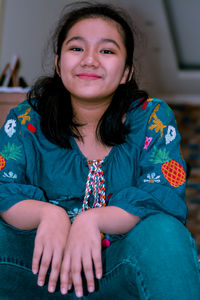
(97, 26)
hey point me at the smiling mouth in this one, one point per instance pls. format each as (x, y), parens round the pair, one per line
(88, 76)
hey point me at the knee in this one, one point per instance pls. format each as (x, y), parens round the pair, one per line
(159, 233)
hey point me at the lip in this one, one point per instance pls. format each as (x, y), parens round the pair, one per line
(89, 76)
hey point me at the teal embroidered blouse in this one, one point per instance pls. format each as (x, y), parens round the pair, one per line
(144, 176)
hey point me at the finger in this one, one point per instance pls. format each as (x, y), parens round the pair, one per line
(55, 270)
(65, 278)
(88, 270)
(37, 253)
(76, 275)
(97, 260)
(44, 265)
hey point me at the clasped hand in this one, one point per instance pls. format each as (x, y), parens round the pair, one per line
(67, 249)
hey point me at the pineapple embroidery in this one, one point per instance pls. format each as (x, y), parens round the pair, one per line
(10, 151)
(158, 125)
(24, 117)
(173, 172)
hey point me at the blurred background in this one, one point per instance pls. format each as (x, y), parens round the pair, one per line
(167, 61)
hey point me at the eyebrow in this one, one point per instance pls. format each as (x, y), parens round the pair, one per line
(79, 38)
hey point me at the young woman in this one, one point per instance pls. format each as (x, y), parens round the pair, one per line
(92, 193)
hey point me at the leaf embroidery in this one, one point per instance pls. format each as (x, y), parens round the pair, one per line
(24, 117)
(158, 125)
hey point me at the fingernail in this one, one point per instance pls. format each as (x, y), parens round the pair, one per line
(63, 291)
(69, 287)
(34, 271)
(78, 294)
(91, 289)
(99, 276)
(51, 289)
(40, 283)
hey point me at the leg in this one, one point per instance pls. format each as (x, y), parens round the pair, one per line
(167, 258)
(157, 260)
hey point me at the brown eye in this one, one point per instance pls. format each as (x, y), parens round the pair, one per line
(107, 51)
(76, 49)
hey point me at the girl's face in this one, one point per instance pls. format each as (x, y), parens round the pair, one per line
(92, 61)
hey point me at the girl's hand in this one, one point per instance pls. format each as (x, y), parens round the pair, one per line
(83, 250)
(50, 243)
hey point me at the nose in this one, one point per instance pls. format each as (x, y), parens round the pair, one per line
(90, 59)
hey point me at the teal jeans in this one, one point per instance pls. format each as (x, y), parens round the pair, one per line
(156, 260)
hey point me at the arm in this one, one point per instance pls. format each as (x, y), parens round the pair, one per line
(111, 219)
(53, 225)
(161, 171)
(27, 214)
(52, 222)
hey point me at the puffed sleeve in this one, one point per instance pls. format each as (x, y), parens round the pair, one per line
(13, 182)
(161, 180)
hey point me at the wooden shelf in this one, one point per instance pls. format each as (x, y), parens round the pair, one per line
(9, 100)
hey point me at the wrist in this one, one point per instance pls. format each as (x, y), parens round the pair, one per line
(52, 211)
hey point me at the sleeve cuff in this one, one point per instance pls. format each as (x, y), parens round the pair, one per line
(12, 193)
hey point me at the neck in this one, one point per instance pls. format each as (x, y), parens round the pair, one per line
(89, 113)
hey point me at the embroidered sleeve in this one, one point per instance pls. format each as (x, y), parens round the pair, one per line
(160, 186)
(13, 183)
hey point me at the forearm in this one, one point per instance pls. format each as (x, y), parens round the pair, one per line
(27, 214)
(112, 219)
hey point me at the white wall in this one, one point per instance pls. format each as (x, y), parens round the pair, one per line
(26, 27)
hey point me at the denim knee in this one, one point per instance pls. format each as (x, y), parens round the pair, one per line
(166, 255)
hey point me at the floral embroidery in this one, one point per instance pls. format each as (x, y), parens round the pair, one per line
(10, 151)
(171, 134)
(10, 175)
(24, 117)
(158, 125)
(147, 142)
(31, 128)
(73, 213)
(9, 127)
(151, 178)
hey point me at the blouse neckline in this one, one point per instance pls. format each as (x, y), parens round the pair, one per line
(85, 159)
(107, 157)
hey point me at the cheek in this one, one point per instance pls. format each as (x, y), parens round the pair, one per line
(117, 72)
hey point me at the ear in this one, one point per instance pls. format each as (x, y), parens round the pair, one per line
(57, 65)
(126, 76)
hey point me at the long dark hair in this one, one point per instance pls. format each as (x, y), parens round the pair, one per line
(51, 99)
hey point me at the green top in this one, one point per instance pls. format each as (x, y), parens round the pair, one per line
(144, 176)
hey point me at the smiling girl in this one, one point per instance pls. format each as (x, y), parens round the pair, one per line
(96, 208)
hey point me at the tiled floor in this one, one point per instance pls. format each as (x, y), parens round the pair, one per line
(188, 120)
